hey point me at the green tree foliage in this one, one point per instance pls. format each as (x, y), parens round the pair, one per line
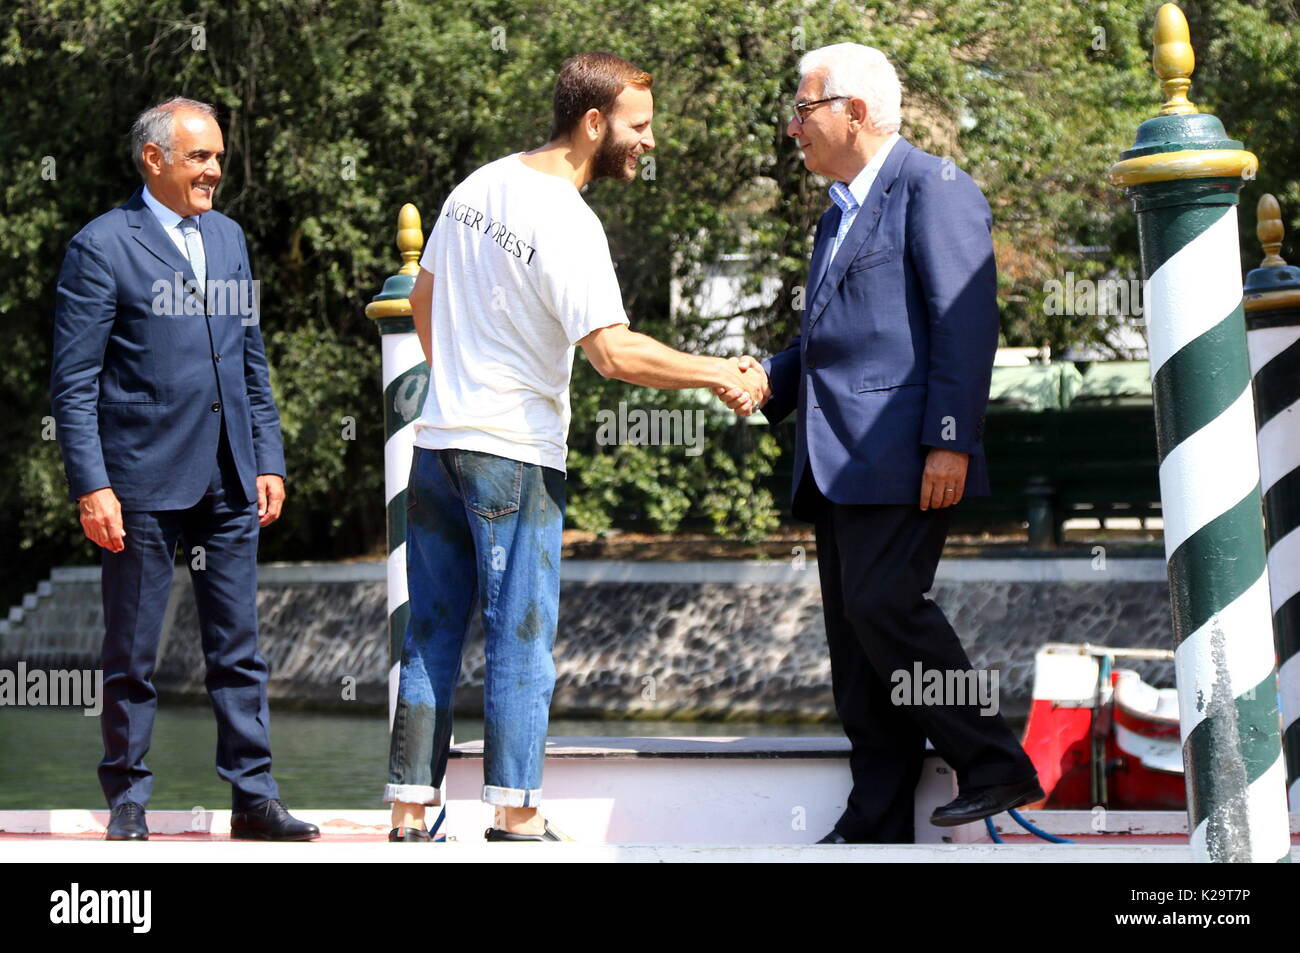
(337, 113)
(1248, 74)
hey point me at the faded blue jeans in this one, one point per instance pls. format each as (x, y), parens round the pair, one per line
(482, 532)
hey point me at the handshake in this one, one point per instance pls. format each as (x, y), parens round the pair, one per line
(742, 384)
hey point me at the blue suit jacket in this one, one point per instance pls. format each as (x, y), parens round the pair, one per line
(897, 337)
(142, 377)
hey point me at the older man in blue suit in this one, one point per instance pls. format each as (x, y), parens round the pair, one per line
(170, 435)
(889, 377)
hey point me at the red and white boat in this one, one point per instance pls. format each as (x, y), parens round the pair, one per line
(1100, 735)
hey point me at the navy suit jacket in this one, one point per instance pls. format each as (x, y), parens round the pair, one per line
(143, 377)
(897, 337)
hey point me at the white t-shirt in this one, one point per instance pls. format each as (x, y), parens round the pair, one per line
(521, 273)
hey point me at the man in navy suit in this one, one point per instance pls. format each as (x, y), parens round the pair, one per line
(889, 376)
(170, 435)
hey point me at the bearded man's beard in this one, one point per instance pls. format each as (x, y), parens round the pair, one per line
(610, 161)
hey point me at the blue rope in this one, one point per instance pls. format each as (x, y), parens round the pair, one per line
(433, 831)
(1037, 832)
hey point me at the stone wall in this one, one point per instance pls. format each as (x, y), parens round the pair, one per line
(743, 641)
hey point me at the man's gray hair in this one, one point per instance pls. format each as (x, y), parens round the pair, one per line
(157, 125)
(860, 72)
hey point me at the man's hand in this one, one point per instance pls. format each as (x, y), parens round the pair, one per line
(734, 387)
(944, 479)
(752, 365)
(753, 389)
(270, 497)
(101, 519)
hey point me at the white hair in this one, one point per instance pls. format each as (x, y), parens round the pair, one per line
(860, 72)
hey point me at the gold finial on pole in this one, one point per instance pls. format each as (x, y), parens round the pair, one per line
(394, 301)
(1174, 60)
(1269, 231)
(409, 239)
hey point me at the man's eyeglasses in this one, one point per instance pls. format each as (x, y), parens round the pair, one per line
(801, 110)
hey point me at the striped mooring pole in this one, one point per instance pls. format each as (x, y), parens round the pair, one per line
(406, 383)
(1273, 337)
(1183, 175)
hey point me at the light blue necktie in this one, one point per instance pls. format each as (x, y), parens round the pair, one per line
(849, 206)
(194, 248)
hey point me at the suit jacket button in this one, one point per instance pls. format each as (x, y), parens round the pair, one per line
(812, 364)
(216, 406)
(217, 358)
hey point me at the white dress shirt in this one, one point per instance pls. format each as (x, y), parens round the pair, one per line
(850, 197)
(170, 221)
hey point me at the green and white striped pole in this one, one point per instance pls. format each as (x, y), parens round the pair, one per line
(1273, 337)
(406, 382)
(1183, 175)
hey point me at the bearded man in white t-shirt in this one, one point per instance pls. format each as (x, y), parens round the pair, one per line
(515, 275)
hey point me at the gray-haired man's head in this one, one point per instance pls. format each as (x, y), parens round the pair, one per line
(848, 102)
(177, 148)
(854, 71)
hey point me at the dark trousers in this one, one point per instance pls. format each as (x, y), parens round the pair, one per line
(876, 563)
(136, 586)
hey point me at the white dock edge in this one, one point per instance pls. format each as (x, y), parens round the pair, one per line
(756, 799)
(223, 852)
(374, 823)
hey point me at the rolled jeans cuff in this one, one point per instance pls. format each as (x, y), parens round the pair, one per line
(413, 794)
(511, 797)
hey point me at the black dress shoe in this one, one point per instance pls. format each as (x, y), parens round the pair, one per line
(127, 823)
(834, 837)
(408, 835)
(984, 802)
(270, 821)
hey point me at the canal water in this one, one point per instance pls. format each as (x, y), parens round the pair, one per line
(48, 755)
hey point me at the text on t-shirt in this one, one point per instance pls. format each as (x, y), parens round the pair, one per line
(496, 230)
